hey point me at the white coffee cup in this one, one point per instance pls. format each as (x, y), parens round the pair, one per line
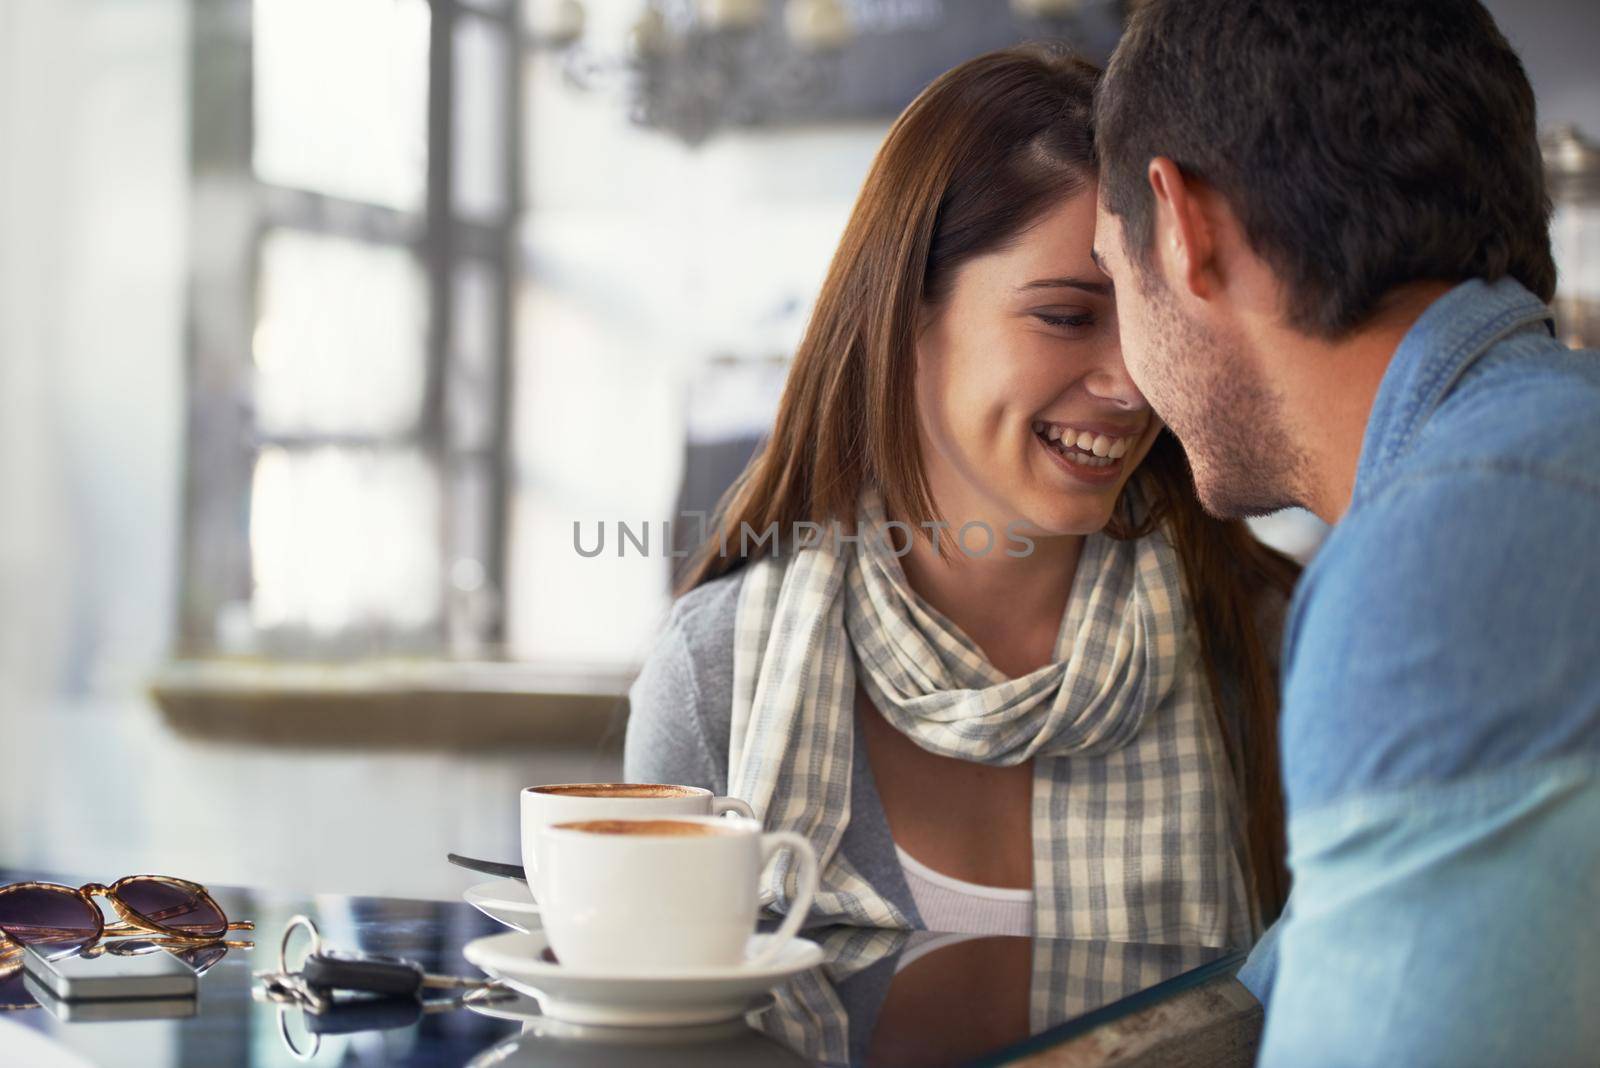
(565, 802)
(639, 895)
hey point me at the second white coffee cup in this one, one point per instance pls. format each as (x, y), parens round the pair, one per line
(639, 895)
(564, 802)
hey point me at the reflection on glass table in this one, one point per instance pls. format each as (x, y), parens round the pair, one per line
(879, 998)
(893, 998)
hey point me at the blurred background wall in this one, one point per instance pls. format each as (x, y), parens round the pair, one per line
(93, 200)
(292, 439)
(1556, 39)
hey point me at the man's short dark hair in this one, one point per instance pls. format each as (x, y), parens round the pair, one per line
(1362, 144)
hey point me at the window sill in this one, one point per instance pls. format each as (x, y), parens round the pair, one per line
(394, 704)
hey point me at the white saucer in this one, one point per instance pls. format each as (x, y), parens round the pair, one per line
(665, 998)
(507, 901)
(524, 1009)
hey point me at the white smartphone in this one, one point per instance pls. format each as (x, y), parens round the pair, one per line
(148, 975)
(105, 1009)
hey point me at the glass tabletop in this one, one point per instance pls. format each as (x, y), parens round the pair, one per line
(879, 998)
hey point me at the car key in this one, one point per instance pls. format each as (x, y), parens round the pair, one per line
(328, 970)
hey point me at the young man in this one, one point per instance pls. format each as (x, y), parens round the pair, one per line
(1327, 227)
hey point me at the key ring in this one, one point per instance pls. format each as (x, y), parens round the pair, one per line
(295, 1051)
(298, 991)
(296, 922)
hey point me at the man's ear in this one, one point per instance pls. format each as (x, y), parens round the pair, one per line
(1184, 241)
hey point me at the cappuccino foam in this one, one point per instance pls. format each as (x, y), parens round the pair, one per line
(616, 789)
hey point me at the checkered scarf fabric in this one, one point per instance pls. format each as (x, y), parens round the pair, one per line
(1135, 821)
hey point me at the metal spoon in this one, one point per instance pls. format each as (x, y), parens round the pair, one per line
(488, 867)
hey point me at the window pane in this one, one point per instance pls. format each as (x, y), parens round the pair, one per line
(344, 539)
(340, 337)
(473, 385)
(478, 116)
(474, 603)
(341, 97)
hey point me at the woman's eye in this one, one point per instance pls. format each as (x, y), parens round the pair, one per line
(1075, 320)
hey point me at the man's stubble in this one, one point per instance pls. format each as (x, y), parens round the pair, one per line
(1231, 424)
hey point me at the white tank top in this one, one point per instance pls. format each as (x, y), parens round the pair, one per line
(957, 906)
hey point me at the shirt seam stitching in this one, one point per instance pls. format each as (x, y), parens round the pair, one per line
(1452, 365)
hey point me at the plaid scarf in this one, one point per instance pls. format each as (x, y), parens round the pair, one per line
(1135, 823)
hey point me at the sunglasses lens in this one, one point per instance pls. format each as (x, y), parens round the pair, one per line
(173, 907)
(13, 995)
(54, 919)
(201, 958)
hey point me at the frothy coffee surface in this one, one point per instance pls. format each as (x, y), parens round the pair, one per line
(616, 789)
(651, 828)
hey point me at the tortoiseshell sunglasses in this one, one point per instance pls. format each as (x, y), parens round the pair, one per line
(64, 919)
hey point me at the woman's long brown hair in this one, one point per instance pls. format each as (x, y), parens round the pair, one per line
(970, 164)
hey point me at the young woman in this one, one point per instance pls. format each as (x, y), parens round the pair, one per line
(1070, 734)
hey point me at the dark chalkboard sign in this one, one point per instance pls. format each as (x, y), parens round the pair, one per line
(897, 48)
(893, 57)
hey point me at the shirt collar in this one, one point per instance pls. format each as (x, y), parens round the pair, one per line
(1448, 338)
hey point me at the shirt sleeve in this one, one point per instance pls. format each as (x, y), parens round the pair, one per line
(1440, 731)
(1259, 971)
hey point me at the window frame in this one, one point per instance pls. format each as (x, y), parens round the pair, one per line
(232, 212)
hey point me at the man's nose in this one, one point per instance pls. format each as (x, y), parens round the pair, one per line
(1110, 382)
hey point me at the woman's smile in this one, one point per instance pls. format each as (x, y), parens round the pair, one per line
(1091, 453)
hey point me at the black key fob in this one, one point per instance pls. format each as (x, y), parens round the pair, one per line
(386, 977)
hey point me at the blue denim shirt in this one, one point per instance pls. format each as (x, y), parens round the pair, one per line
(1441, 717)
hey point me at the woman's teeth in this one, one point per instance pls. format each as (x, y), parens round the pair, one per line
(1083, 447)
